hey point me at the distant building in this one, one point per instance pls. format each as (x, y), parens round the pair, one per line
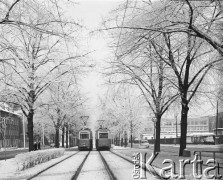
(212, 124)
(170, 128)
(11, 127)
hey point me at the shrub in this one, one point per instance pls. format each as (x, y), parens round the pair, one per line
(30, 159)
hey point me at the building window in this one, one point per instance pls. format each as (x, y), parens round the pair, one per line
(204, 122)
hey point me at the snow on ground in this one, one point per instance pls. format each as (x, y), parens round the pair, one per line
(64, 170)
(92, 170)
(9, 167)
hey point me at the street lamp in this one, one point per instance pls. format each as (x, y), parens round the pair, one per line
(216, 125)
(154, 120)
(176, 129)
(131, 129)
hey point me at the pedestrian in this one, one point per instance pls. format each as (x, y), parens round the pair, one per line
(35, 146)
(38, 145)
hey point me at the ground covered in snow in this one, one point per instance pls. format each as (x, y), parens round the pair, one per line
(9, 167)
(170, 152)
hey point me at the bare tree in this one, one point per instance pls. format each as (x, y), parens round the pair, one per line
(6, 9)
(121, 109)
(62, 106)
(149, 74)
(34, 57)
(164, 26)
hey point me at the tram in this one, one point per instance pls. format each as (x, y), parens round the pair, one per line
(103, 139)
(202, 138)
(84, 140)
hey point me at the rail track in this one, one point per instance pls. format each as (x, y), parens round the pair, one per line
(37, 174)
(75, 176)
(153, 172)
(110, 173)
(89, 165)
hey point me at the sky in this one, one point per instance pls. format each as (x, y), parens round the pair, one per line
(91, 13)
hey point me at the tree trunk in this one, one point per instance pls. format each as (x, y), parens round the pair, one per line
(67, 136)
(183, 125)
(63, 136)
(57, 139)
(157, 141)
(30, 129)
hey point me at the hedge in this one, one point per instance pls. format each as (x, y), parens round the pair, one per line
(30, 159)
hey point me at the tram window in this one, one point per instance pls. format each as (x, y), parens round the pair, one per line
(103, 135)
(84, 136)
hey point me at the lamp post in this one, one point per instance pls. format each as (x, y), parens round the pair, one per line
(43, 133)
(24, 133)
(176, 129)
(131, 129)
(216, 125)
(154, 120)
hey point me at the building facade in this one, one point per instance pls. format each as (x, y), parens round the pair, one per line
(216, 123)
(170, 128)
(11, 129)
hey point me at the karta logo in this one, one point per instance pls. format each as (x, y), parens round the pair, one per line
(140, 166)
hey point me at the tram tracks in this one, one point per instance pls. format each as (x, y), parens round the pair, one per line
(51, 166)
(151, 171)
(89, 165)
(109, 171)
(80, 167)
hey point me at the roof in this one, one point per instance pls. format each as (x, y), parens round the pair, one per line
(202, 134)
(10, 112)
(217, 129)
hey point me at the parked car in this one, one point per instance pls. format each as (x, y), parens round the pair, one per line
(52, 144)
(144, 143)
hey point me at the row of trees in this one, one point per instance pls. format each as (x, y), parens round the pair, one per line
(170, 50)
(122, 110)
(38, 69)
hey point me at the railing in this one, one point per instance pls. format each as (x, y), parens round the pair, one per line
(199, 153)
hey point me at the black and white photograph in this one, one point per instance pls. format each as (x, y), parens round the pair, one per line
(111, 89)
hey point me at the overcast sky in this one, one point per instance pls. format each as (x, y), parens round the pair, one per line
(91, 13)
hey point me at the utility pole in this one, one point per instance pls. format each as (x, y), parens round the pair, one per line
(216, 124)
(24, 131)
(131, 132)
(67, 135)
(43, 133)
(176, 129)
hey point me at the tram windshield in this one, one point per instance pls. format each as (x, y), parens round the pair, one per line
(103, 135)
(84, 136)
